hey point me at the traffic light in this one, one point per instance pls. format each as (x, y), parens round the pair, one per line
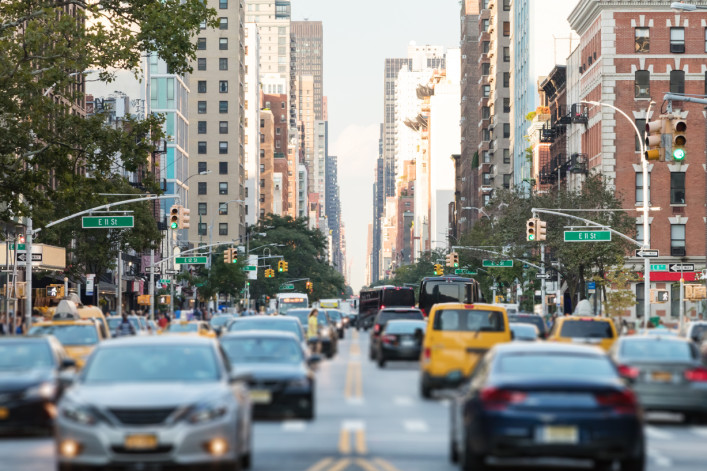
(227, 256)
(285, 266)
(184, 217)
(21, 239)
(438, 269)
(234, 256)
(281, 266)
(654, 137)
(678, 126)
(531, 229)
(659, 296)
(269, 273)
(541, 227)
(174, 217)
(455, 260)
(449, 260)
(310, 286)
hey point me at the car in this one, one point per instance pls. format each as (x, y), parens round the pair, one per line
(382, 318)
(289, 324)
(667, 373)
(457, 336)
(220, 322)
(114, 322)
(155, 401)
(695, 330)
(282, 383)
(31, 383)
(328, 336)
(301, 314)
(200, 328)
(546, 400)
(527, 318)
(598, 331)
(400, 340)
(524, 332)
(79, 338)
(337, 318)
(351, 319)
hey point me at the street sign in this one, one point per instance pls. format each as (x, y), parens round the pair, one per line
(498, 264)
(647, 253)
(22, 257)
(191, 260)
(588, 236)
(156, 270)
(107, 222)
(464, 271)
(250, 268)
(671, 267)
(659, 267)
(171, 272)
(542, 276)
(591, 285)
(287, 287)
(19, 247)
(165, 281)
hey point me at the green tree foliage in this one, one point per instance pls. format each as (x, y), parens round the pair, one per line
(222, 278)
(45, 48)
(620, 297)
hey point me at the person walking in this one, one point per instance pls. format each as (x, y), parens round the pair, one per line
(313, 331)
(125, 327)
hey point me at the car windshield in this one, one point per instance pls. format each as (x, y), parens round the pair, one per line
(652, 349)
(469, 320)
(334, 315)
(300, 314)
(559, 364)
(443, 292)
(524, 331)
(398, 297)
(182, 328)
(586, 329)
(219, 321)
(114, 322)
(404, 327)
(24, 355)
(386, 316)
(698, 331)
(285, 325)
(291, 303)
(322, 318)
(69, 334)
(262, 350)
(152, 364)
(537, 321)
(142, 322)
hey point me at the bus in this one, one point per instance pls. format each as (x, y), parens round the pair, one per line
(330, 303)
(287, 301)
(448, 289)
(373, 299)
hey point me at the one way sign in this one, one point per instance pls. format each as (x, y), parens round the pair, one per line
(22, 257)
(681, 267)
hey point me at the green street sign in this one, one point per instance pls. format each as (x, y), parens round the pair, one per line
(659, 267)
(287, 287)
(498, 264)
(107, 222)
(464, 271)
(19, 247)
(587, 236)
(190, 260)
(250, 268)
(165, 282)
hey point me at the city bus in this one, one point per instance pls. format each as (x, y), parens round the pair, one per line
(287, 301)
(448, 289)
(373, 299)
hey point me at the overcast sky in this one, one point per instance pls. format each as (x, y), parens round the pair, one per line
(358, 36)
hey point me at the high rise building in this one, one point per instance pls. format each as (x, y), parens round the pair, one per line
(393, 66)
(252, 123)
(217, 128)
(273, 21)
(267, 162)
(308, 41)
(277, 105)
(333, 211)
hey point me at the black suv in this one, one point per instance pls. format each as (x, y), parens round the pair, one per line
(389, 314)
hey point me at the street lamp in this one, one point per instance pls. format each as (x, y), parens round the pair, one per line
(686, 6)
(203, 172)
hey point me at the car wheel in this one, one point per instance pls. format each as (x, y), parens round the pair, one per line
(246, 460)
(603, 465)
(472, 462)
(453, 451)
(425, 389)
(634, 464)
(381, 361)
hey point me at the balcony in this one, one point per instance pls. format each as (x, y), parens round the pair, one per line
(578, 163)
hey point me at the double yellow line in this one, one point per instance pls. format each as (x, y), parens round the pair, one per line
(353, 388)
(350, 461)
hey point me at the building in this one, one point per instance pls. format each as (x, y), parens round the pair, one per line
(277, 105)
(252, 123)
(632, 53)
(306, 121)
(393, 66)
(273, 21)
(217, 128)
(378, 212)
(267, 162)
(308, 59)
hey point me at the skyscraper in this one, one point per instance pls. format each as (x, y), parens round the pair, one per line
(308, 41)
(252, 123)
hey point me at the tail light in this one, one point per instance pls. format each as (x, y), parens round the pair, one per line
(428, 354)
(623, 402)
(629, 372)
(424, 313)
(500, 399)
(388, 339)
(698, 375)
(377, 328)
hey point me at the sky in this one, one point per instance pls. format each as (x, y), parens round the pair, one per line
(358, 37)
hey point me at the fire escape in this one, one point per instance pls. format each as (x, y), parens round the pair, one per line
(554, 163)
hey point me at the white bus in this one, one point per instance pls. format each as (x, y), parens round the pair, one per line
(287, 301)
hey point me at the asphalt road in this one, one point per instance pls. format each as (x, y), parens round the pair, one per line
(374, 420)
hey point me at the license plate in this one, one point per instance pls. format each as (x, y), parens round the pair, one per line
(4, 413)
(662, 376)
(407, 343)
(141, 442)
(558, 434)
(260, 396)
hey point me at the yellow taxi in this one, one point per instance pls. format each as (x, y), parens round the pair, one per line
(78, 337)
(190, 328)
(599, 331)
(457, 336)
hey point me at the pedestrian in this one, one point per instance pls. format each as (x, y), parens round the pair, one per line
(313, 331)
(3, 329)
(125, 327)
(20, 325)
(163, 322)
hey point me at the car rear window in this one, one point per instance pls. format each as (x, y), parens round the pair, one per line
(468, 320)
(586, 329)
(398, 297)
(386, 316)
(537, 321)
(558, 364)
(405, 327)
(656, 349)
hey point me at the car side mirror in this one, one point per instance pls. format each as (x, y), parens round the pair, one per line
(314, 360)
(240, 377)
(67, 363)
(67, 378)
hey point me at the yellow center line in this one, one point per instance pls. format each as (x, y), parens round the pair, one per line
(359, 381)
(344, 442)
(361, 442)
(340, 465)
(348, 386)
(365, 465)
(384, 465)
(321, 464)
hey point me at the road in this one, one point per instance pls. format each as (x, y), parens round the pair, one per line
(374, 420)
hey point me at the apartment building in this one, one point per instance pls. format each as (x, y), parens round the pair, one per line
(252, 123)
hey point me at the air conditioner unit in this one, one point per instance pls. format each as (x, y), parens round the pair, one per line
(677, 251)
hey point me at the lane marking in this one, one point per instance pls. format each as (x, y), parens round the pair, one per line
(321, 464)
(361, 442)
(353, 387)
(658, 434)
(355, 335)
(403, 401)
(365, 465)
(415, 426)
(359, 381)
(344, 442)
(294, 426)
(385, 465)
(340, 465)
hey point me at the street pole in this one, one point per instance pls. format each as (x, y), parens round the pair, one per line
(247, 254)
(558, 293)
(152, 284)
(542, 282)
(119, 290)
(170, 249)
(682, 306)
(28, 277)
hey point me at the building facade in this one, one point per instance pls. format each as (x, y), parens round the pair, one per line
(252, 123)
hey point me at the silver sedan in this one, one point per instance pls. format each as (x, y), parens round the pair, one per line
(152, 402)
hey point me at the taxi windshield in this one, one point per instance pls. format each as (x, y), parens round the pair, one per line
(69, 334)
(182, 328)
(468, 320)
(262, 350)
(24, 356)
(586, 329)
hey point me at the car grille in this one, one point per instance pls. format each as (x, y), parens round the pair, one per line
(161, 449)
(141, 416)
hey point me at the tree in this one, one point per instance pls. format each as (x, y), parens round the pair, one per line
(45, 47)
(619, 298)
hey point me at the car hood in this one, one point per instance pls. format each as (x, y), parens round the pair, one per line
(11, 381)
(265, 371)
(145, 395)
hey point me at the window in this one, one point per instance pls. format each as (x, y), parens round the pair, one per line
(705, 39)
(485, 135)
(677, 240)
(223, 86)
(201, 86)
(506, 130)
(201, 63)
(487, 91)
(223, 209)
(484, 25)
(641, 125)
(506, 79)
(506, 5)
(223, 4)
(223, 127)
(262, 183)
(677, 40)
(486, 178)
(223, 147)
(639, 188)
(201, 126)
(485, 112)
(507, 180)
(223, 188)
(201, 44)
(506, 156)
(201, 229)
(223, 107)
(677, 81)
(201, 107)
(506, 105)
(639, 233)
(201, 188)
(201, 210)
(677, 187)
(506, 54)
(201, 145)
(262, 168)
(485, 47)
(485, 68)
(201, 166)
(642, 84)
(223, 63)
(642, 40)
(506, 28)
(223, 168)
(223, 44)
(223, 23)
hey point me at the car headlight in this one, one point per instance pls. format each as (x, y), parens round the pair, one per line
(325, 331)
(207, 412)
(80, 414)
(298, 383)
(41, 391)
(339, 324)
